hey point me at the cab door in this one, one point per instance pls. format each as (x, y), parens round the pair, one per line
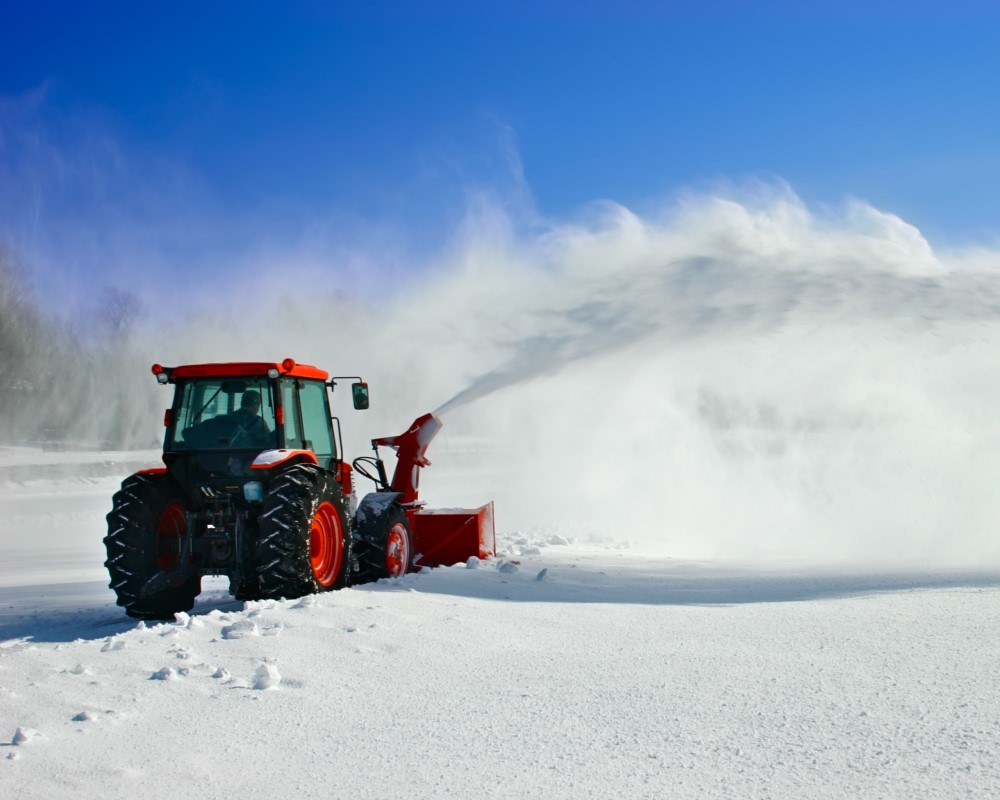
(307, 419)
(316, 428)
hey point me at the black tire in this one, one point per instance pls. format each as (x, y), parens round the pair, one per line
(305, 539)
(145, 527)
(384, 543)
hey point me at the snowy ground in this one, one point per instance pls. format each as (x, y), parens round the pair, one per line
(559, 669)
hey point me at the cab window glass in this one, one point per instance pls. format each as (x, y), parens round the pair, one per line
(316, 418)
(224, 413)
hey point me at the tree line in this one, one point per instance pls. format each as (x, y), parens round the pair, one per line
(68, 384)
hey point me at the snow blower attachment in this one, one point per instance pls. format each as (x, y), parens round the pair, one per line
(255, 487)
(440, 536)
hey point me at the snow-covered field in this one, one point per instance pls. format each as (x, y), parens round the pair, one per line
(566, 667)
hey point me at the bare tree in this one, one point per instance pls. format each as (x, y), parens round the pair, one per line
(119, 311)
(20, 335)
(57, 384)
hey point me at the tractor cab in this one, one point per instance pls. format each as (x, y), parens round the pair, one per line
(224, 416)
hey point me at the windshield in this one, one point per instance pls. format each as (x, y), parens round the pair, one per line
(223, 414)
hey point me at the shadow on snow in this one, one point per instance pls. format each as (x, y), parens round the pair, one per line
(69, 611)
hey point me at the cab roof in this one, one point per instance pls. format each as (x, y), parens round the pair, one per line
(248, 369)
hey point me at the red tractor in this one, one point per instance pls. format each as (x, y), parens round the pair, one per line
(255, 487)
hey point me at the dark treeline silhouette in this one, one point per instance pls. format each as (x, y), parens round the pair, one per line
(64, 385)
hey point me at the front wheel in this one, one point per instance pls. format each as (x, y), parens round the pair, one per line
(385, 544)
(146, 529)
(305, 537)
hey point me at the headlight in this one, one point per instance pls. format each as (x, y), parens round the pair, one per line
(253, 491)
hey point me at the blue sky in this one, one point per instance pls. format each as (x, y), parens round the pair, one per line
(179, 133)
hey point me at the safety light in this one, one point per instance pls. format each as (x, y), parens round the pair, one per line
(288, 364)
(162, 376)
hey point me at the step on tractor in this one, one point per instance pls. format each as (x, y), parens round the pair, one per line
(255, 487)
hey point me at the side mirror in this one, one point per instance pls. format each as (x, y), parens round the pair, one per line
(359, 392)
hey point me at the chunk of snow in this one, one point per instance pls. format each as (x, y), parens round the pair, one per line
(165, 674)
(23, 736)
(473, 562)
(507, 567)
(243, 629)
(266, 677)
(375, 505)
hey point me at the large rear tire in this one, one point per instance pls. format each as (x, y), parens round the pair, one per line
(146, 527)
(384, 544)
(305, 536)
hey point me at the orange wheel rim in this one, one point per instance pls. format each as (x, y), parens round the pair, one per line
(169, 532)
(397, 551)
(326, 544)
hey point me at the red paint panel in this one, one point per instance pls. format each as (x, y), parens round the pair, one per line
(451, 535)
(344, 476)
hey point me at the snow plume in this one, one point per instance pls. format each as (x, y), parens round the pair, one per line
(743, 379)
